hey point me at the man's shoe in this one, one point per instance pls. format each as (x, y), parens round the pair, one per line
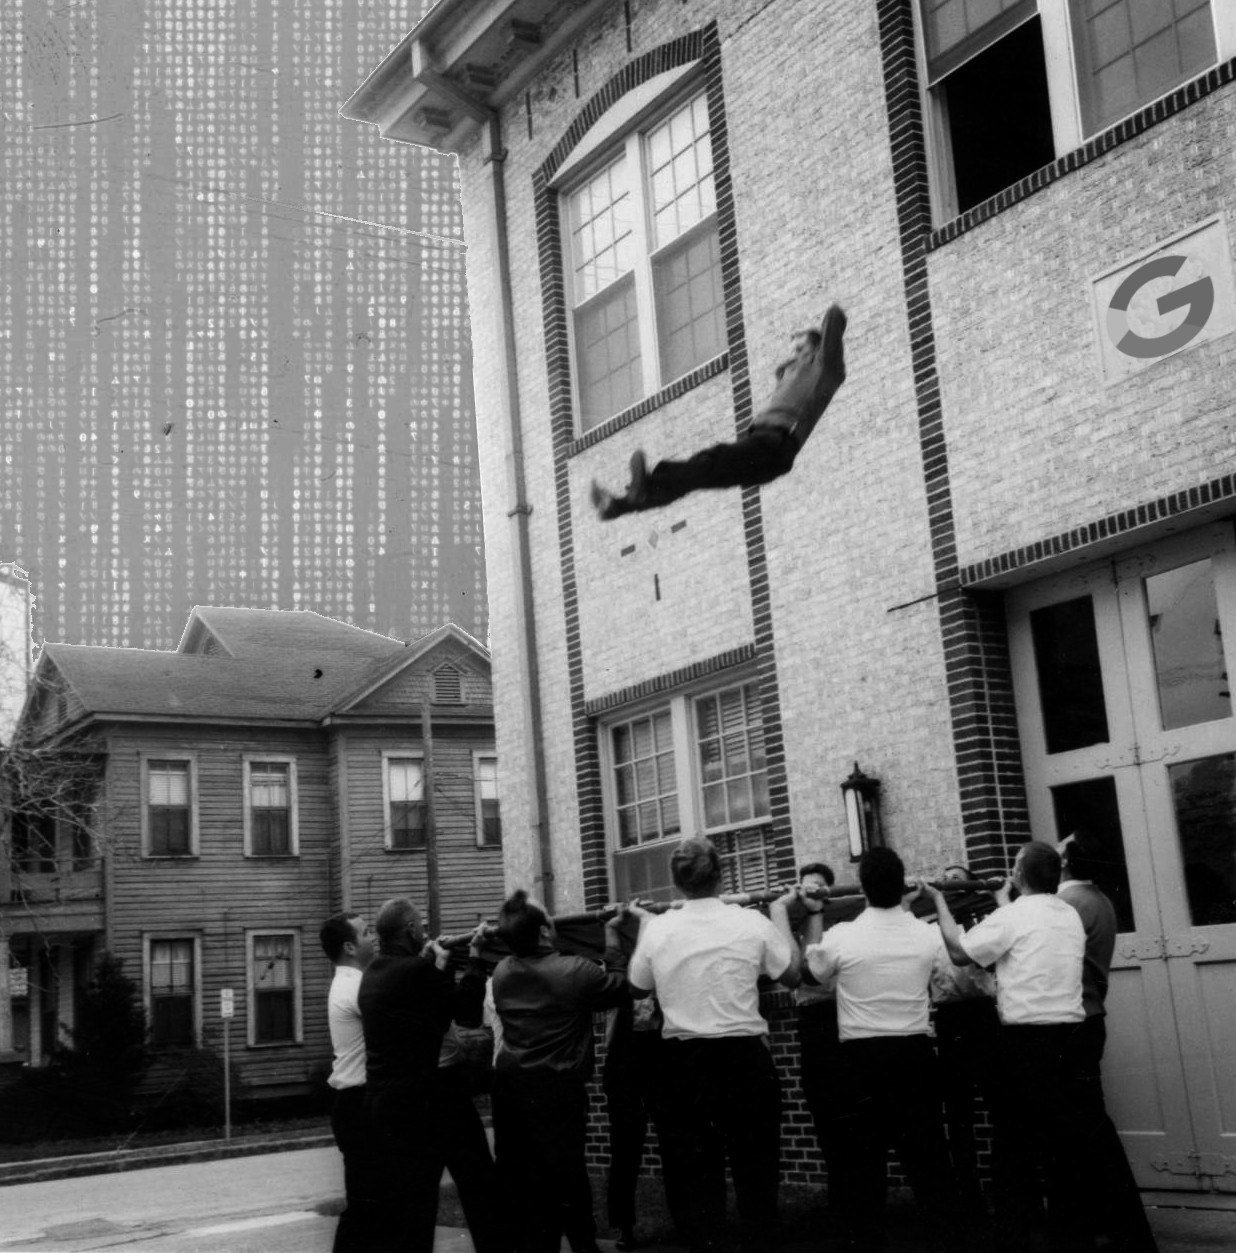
(606, 504)
(832, 331)
(637, 491)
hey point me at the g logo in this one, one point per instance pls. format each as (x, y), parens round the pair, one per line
(1198, 296)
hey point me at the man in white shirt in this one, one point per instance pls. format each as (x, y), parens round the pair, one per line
(887, 1088)
(1037, 943)
(348, 940)
(722, 1092)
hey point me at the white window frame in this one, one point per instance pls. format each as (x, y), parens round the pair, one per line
(477, 757)
(144, 759)
(621, 132)
(1064, 92)
(681, 707)
(248, 760)
(400, 754)
(149, 940)
(298, 983)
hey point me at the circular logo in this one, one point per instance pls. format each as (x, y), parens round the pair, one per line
(1197, 297)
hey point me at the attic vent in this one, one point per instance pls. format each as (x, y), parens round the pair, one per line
(210, 648)
(447, 686)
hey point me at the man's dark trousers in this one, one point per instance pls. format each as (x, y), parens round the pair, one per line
(356, 1232)
(723, 1100)
(540, 1138)
(888, 1095)
(758, 456)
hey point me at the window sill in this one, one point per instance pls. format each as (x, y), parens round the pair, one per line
(275, 1044)
(1132, 126)
(679, 387)
(404, 851)
(176, 857)
(272, 856)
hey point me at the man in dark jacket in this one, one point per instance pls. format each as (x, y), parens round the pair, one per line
(421, 1123)
(545, 1000)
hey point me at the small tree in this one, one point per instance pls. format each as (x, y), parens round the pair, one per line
(108, 1055)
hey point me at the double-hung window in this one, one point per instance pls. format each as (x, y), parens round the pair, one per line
(404, 785)
(488, 802)
(270, 807)
(172, 991)
(169, 817)
(644, 263)
(1012, 84)
(274, 987)
(695, 765)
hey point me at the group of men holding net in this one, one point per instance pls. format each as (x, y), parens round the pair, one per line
(1018, 1013)
(1018, 1017)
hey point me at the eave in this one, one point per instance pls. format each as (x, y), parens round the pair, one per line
(461, 63)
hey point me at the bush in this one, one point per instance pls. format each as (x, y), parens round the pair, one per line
(186, 1089)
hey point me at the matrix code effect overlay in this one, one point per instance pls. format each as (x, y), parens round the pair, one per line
(234, 354)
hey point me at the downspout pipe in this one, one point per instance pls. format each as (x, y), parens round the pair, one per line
(519, 510)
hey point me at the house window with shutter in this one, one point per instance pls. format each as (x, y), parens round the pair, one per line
(169, 817)
(404, 785)
(274, 988)
(172, 991)
(488, 803)
(270, 807)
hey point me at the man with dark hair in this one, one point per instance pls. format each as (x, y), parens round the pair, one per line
(421, 1122)
(723, 1096)
(1045, 1114)
(806, 382)
(545, 1000)
(887, 1086)
(348, 940)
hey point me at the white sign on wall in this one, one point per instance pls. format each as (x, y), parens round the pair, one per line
(227, 1003)
(1169, 300)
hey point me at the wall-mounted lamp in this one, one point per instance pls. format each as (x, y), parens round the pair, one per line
(862, 812)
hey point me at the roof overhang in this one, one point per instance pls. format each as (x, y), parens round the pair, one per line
(461, 63)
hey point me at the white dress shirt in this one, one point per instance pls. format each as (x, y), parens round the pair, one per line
(1038, 944)
(346, 1037)
(702, 960)
(883, 962)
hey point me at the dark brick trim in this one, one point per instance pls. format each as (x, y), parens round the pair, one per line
(740, 656)
(1212, 492)
(679, 387)
(1185, 95)
(977, 672)
(704, 46)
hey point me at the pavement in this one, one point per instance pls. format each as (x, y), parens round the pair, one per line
(1206, 1225)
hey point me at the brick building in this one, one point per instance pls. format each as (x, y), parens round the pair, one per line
(201, 813)
(1000, 575)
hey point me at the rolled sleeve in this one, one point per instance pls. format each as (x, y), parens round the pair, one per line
(776, 957)
(987, 941)
(821, 961)
(639, 971)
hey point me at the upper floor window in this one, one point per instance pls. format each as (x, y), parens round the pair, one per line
(1013, 84)
(171, 989)
(404, 785)
(488, 804)
(274, 987)
(270, 807)
(169, 815)
(644, 263)
(694, 766)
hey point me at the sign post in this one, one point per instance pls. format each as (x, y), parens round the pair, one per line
(227, 1011)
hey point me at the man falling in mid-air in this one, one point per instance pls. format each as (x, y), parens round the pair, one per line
(806, 382)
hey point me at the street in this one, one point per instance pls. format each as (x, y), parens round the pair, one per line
(276, 1203)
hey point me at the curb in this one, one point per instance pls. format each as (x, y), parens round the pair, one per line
(47, 1168)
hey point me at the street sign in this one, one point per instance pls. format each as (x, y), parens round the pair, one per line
(227, 1003)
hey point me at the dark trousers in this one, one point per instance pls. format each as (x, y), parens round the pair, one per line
(357, 1231)
(967, 1045)
(418, 1132)
(540, 1130)
(760, 455)
(888, 1096)
(634, 1083)
(723, 1101)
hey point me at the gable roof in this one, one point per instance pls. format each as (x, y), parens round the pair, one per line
(253, 632)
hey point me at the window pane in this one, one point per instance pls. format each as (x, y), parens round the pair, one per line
(714, 805)
(645, 873)
(271, 834)
(268, 784)
(964, 27)
(1066, 657)
(608, 354)
(1129, 52)
(680, 172)
(275, 1017)
(1188, 646)
(645, 784)
(690, 304)
(407, 824)
(169, 832)
(730, 749)
(1204, 795)
(168, 782)
(1091, 807)
(405, 779)
(601, 220)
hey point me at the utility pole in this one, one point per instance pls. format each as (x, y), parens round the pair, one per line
(431, 824)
